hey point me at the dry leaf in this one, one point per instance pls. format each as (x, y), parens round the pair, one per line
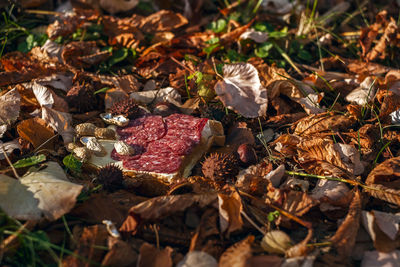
(10, 104)
(241, 90)
(383, 181)
(120, 254)
(256, 36)
(230, 208)
(376, 258)
(36, 131)
(323, 122)
(162, 206)
(46, 193)
(61, 122)
(345, 237)
(163, 20)
(198, 259)
(89, 247)
(319, 156)
(238, 254)
(117, 6)
(8, 147)
(150, 256)
(168, 94)
(364, 93)
(383, 229)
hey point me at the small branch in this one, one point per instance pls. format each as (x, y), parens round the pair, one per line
(9, 162)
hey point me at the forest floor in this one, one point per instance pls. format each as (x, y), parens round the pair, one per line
(289, 112)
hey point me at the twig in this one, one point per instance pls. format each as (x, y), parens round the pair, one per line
(9, 162)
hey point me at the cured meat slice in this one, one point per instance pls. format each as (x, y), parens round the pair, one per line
(163, 142)
(154, 128)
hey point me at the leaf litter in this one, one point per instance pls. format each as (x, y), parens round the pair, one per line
(302, 100)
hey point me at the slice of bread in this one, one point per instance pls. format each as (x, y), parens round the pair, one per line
(212, 133)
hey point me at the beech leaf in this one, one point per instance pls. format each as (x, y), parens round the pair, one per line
(242, 91)
(10, 104)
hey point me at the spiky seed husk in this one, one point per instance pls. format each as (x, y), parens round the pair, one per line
(111, 177)
(126, 107)
(81, 97)
(220, 167)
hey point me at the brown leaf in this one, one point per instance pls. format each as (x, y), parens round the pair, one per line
(264, 260)
(120, 254)
(60, 122)
(345, 237)
(322, 123)
(83, 54)
(92, 237)
(118, 6)
(150, 256)
(162, 206)
(319, 156)
(37, 132)
(163, 20)
(238, 254)
(383, 229)
(10, 107)
(230, 208)
(300, 249)
(368, 35)
(383, 181)
(389, 36)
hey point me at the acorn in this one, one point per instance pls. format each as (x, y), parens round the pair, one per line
(111, 177)
(82, 98)
(127, 108)
(247, 155)
(220, 168)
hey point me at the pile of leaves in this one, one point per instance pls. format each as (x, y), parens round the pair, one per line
(309, 97)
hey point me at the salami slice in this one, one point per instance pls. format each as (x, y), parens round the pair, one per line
(162, 141)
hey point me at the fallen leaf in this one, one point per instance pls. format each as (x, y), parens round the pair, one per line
(37, 132)
(150, 256)
(256, 36)
(376, 258)
(388, 37)
(120, 254)
(323, 122)
(241, 90)
(89, 247)
(198, 259)
(364, 93)
(382, 227)
(9, 147)
(238, 254)
(345, 237)
(46, 193)
(10, 107)
(230, 208)
(319, 156)
(383, 181)
(61, 122)
(162, 206)
(163, 20)
(114, 7)
(168, 94)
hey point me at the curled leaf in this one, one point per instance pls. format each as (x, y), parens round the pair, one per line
(242, 91)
